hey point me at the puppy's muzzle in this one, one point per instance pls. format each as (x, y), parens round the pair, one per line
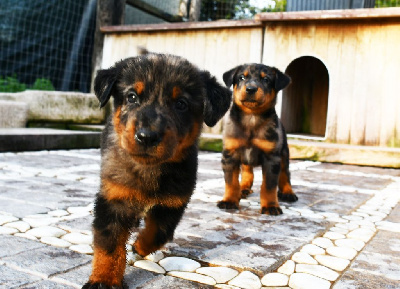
(147, 138)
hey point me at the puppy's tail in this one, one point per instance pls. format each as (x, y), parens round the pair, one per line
(142, 50)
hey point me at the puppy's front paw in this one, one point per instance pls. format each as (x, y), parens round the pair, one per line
(227, 205)
(287, 197)
(90, 285)
(274, 211)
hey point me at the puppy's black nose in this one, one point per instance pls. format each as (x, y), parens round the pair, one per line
(147, 137)
(250, 89)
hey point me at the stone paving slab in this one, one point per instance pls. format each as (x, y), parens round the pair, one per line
(46, 261)
(171, 282)
(383, 271)
(11, 278)
(342, 233)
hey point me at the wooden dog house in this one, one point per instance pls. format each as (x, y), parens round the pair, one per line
(344, 65)
(345, 62)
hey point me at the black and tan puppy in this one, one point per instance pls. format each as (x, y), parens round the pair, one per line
(149, 154)
(254, 136)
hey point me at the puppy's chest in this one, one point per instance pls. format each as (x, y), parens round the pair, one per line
(144, 186)
(252, 136)
(256, 128)
(252, 124)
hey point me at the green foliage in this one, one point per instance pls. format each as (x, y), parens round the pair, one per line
(12, 84)
(236, 9)
(43, 84)
(280, 6)
(214, 145)
(387, 3)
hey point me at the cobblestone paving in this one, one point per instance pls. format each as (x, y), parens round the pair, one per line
(342, 233)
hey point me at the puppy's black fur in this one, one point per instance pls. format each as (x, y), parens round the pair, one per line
(149, 154)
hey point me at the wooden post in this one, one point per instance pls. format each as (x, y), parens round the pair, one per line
(194, 13)
(190, 9)
(109, 12)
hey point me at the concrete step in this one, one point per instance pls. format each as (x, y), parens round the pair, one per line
(33, 139)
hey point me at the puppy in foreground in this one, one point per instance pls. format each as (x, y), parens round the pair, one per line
(254, 136)
(148, 154)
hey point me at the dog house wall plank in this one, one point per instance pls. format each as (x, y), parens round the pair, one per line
(371, 43)
(335, 36)
(389, 85)
(345, 67)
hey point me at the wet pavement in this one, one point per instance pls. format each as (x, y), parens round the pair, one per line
(344, 232)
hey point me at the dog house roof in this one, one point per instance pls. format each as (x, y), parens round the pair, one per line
(393, 12)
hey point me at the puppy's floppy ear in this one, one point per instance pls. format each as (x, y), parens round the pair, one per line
(103, 84)
(217, 100)
(230, 75)
(281, 80)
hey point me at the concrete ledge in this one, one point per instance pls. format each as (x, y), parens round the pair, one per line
(33, 139)
(346, 154)
(59, 106)
(13, 114)
(326, 152)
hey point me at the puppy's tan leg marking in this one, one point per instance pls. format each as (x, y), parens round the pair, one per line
(109, 267)
(232, 190)
(285, 188)
(247, 180)
(269, 199)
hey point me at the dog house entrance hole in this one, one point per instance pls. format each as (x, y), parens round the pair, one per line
(305, 101)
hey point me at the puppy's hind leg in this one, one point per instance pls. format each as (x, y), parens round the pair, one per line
(285, 192)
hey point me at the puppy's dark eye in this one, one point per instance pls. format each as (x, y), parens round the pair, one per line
(266, 79)
(181, 104)
(242, 77)
(133, 98)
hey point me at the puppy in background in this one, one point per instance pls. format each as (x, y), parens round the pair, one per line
(148, 155)
(254, 136)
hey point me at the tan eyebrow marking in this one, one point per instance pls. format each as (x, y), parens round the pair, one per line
(139, 87)
(176, 91)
